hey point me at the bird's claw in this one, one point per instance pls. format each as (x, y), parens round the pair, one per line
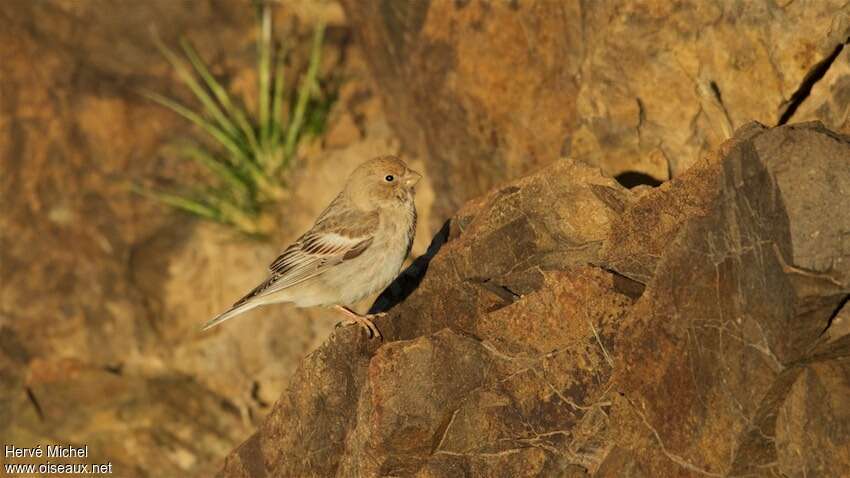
(366, 323)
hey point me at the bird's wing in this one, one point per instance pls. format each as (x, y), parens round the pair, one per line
(335, 238)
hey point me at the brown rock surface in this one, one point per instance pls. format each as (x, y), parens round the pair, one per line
(490, 90)
(564, 326)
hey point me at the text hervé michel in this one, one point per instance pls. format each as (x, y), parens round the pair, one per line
(52, 451)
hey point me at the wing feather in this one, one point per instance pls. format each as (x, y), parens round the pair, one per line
(339, 235)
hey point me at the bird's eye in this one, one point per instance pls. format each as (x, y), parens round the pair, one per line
(389, 178)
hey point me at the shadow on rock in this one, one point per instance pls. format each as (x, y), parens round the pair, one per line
(410, 278)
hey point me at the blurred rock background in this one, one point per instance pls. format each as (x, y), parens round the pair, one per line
(102, 291)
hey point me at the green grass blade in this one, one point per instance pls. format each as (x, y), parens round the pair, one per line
(264, 47)
(221, 95)
(241, 216)
(277, 102)
(222, 137)
(180, 202)
(318, 111)
(225, 171)
(186, 76)
(240, 158)
(242, 155)
(305, 90)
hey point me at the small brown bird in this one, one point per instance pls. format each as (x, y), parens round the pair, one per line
(356, 247)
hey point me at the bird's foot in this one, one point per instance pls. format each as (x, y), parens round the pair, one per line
(364, 321)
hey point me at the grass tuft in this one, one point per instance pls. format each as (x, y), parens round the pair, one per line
(250, 153)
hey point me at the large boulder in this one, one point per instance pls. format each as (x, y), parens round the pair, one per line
(562, 325)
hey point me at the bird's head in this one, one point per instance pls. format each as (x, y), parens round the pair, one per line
(382, 182)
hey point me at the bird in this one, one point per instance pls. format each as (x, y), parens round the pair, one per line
(356, 247)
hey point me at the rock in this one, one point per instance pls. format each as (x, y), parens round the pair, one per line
(722, 323)
(489, 91)
(812, 425)
(343, 132)
(166, 413)
(562, 325)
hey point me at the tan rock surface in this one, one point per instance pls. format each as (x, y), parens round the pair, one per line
(520, 346)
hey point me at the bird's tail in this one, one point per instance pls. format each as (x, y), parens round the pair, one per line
(231, 313)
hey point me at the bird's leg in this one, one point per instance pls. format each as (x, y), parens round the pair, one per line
(364, 321)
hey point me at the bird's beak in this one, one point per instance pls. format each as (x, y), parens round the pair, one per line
(411, 178)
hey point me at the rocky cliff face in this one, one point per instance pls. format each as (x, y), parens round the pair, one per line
(490, 90)
(562, 325)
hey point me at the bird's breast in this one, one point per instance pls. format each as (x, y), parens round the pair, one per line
(378, 265)
(398, 222)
